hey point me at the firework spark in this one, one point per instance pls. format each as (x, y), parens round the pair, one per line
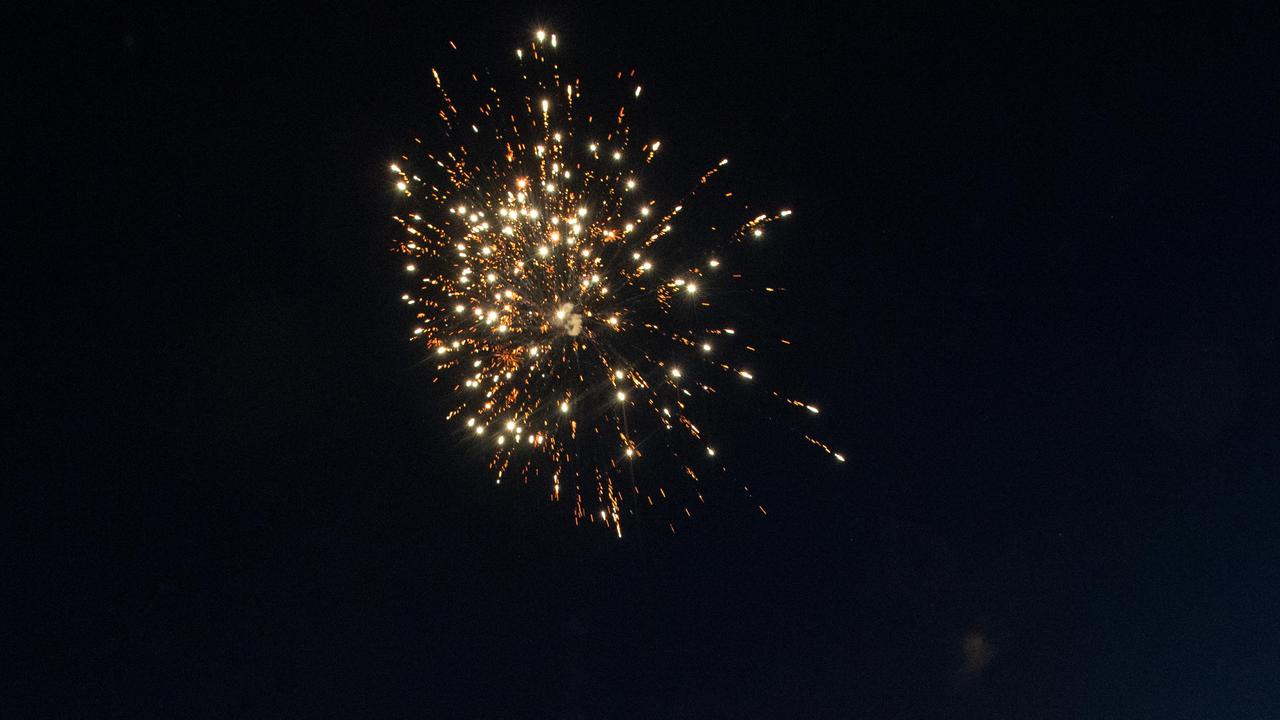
(553, 294)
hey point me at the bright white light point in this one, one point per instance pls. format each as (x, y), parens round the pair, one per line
(785, 213)
(395, 168)
(746, 374)
(838, 456)
(811, 409)
(564, 407)
(553, 39)
(644, 211)
(582, 212)
(410, 268)
(471, 422)
(401, 186)
(657, 144)
(691, 287)
(541, 36)
(486, 250)
(621, 396)
(637, 91)
(592, 147)
(501, 439)
(441, 350)
(479, 430)
(617, 374)
(417, 331)
(617, 155)
(613, 321)
(630, 452)
(711, 452)
(404, 297)
(757, 232)
(631, 184)
(724, 162)
(511, 425)
(729, 330)
(714, 263)
(706, 347)
(489, 277)
(546, 104)
(542, 250)
(555, 137)
(675, 372)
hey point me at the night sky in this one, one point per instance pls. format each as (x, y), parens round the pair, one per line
(1033, 269)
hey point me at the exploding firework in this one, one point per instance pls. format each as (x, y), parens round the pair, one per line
(558, 299)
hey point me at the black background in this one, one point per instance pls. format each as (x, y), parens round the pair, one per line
(1035, 252)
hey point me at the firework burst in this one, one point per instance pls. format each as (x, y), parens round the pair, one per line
(557, 298)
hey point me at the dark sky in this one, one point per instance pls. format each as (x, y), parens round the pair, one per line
(1036, 256)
